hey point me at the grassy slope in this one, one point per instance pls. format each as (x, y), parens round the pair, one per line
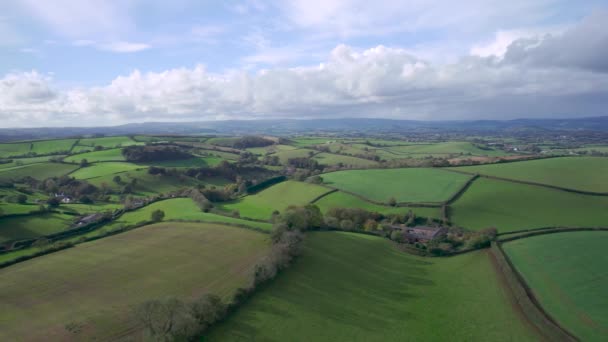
(97, 156)
(18, 162)
(14, 149)
(511, 206)
(583, 173)
(103, 169)
(335, 159)
(181, 209)
(38, 170)
(277, 197)
(96, 283)
(343, 200)
(107, 141)
(349, 287)
(50, 146)
(27, 227)
(406, 185)
(568, 274)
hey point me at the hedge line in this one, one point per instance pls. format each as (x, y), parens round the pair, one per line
(544, 231)
(526, 300)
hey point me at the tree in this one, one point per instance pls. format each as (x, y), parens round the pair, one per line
(370, 225)
(117, 179)
(207, 310)
(53, 202)
(157, 215)
(167, 320)
(392, 201)
(21, 199)
(84, 163)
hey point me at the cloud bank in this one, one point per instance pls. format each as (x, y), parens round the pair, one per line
(554, 75)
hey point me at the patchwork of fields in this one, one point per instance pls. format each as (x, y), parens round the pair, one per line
(351, 287)
(580, 173)
(91, 287)
(568, 274)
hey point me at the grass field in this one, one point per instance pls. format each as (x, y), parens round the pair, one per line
(350, 287)
(34, 226)
(568, 274)
(190, 162)
(14, 208)
(581, 173)
(108, 141)
(38, 171)
(52, 146)
(452, 147)
(181, 209)
(335, 159)
(284, 156)
(277, 197)
(270, 149)
(18, 162)
(406, 185)
(104, 169)
(343, 200)
(511, 206)
(97, 156)
(95, 284)
(14, 149)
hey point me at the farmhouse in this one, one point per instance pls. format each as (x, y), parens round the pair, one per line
(89, 219)
(421, 233)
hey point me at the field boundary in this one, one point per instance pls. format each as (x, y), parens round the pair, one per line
(331, 191)
(524, 297)
(461, 191)
(544, 231)
(554, 187)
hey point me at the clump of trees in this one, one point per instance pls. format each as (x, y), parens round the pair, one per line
(154, 153)
(252, 141)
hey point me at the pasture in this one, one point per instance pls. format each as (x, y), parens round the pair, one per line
(52, 146)
(181, 209)
(352, 287)
(104, 169)
(343, 200)
(14, 149)
(108, 142)
(511, 206)
(33, 226)
(90, 286)
(336, 159)
(580, 173)
(568, 274)
(97, 156)
(284, 156)
(405, 185)
(38, 171)
(18, 162)
(277, 197)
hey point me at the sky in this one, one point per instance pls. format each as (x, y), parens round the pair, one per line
(110, 62)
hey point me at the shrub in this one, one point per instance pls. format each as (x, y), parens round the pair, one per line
(157, 215)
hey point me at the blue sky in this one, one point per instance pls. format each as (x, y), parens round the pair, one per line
(110, 62)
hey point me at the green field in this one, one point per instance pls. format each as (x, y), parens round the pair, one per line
(14, 208)
(52, 146)
(18, 162)
(351, 287)
(568, 274)
(14, 149)
(452, 147)
(284, 156)
(95, 284)
(270, 149)
(405, 185)
(181, 209)
(581, 173)
(97, 156)
(33, 226)
(104, 169)
(511, 206)
(335, 159)
(190, 162)
(38, 171)
(278, 197)
(343, 200)
(108, 142)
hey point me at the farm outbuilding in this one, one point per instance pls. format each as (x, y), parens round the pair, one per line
(421, 233)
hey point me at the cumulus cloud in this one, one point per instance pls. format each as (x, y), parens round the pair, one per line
(548, 76)
(583, 46)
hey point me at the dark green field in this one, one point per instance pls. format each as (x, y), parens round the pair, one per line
(569, 275)
(350, 287)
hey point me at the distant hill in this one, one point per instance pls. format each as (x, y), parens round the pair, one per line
(343, 125)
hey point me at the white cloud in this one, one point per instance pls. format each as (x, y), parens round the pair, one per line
(118, 46)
